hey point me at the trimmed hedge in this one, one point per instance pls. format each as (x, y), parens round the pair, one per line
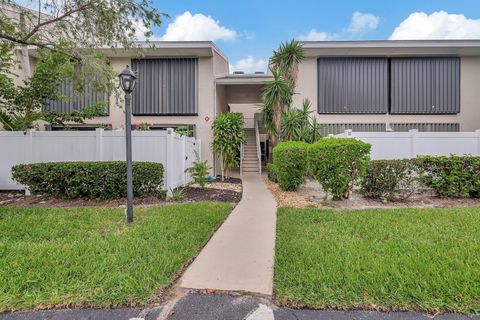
(453, 176)
(92, 180)
(290, 165)
(271, 172)
(389, 179)
(337, 163)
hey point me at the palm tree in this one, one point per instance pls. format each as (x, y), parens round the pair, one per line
(276, 97)
(286, 59)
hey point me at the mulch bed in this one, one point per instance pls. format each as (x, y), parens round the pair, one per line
(229, 190)
(311, 194)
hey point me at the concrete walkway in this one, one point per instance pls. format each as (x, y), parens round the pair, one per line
(240, 255)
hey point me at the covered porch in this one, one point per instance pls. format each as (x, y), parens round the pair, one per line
(241, 93)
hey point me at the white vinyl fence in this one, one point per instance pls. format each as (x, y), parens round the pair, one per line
(175, 152)
(405, 145)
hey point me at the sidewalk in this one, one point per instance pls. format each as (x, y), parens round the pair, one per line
(240, 255)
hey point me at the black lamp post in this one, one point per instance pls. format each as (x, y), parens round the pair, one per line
(128, 81)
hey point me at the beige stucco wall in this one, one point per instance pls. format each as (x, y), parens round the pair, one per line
(469, 116)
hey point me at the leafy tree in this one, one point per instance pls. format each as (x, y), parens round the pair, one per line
(84, 24)
(21, 106)
(66, 35)
(228, 137)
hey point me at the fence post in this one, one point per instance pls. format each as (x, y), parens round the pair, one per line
(170, 163)
(413, 135)
(98, 144)
(478, 141)
(183, 167)
(30, 154)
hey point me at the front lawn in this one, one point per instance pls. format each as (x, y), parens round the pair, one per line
(91, 257)
(397, 259)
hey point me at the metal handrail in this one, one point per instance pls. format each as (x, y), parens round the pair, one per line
(257, 138)
(241, 158)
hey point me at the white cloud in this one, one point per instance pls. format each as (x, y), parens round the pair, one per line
(438, 25)
(197, 27)
(362, 22)
(141, 29)
(249, 65)
(314, 35)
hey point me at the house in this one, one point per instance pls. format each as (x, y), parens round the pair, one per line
(359, 85)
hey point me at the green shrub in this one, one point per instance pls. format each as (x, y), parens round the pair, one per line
(337, 163)
(454, 176)
(199, 172)
(92, 180)
(389, 179)
(271, 172)
(290, 165)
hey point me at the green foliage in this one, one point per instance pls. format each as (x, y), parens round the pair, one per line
(298, 126)
(290, 165)
(92, 180)
(83, 26)
(21, 106)
(389, 179)
(184, 131)
(199, 172)
(91, 257)
(143, 126)
(278, 93)
(272, 172)
(453, 176)
(337, 163)
(287, 58)
(383, 259)
(228, 137)
(177, 194)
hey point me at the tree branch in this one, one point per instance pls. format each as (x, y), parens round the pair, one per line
(61, 17)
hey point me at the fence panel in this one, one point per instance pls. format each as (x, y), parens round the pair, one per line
(166, 147)
(404, 145)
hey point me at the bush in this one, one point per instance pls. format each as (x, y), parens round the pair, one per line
(290, 165)
(389, 179)
(271, 172)
(337, 163)
(92, 180)
(454, 176)
(199, 172)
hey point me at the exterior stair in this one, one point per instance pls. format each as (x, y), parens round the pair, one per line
(250, 154)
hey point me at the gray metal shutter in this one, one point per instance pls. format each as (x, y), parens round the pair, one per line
(352, 85)
(336, 128)
(77, 101)
(426, 127)
(425, 85)
(166, 86)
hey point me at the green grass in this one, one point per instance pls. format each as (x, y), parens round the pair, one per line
(402, 259)
(91, 257)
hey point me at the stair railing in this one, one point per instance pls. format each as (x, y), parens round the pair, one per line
(257, 138)
(242, 154)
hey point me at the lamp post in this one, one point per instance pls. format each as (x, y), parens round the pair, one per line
(128, 81)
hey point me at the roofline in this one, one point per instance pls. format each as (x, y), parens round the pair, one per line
(455, 43)
(180, 45)
(243, 79)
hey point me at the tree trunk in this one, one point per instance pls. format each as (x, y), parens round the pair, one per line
(25, 59)
(277, 122)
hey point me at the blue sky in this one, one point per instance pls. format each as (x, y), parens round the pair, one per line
(248, 28)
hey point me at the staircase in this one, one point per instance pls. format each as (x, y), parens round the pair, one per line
(250, 161)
